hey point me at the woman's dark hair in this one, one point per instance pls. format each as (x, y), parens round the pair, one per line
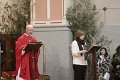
(118, 49)
(106, 53)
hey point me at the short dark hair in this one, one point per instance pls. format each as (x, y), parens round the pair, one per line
(106, 53)
(118, 49)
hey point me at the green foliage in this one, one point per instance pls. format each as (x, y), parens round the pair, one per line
(14, 18)
(82, 15)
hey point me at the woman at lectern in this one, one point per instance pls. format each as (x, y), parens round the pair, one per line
(78, 53)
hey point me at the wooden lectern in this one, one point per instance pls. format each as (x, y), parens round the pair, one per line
(33, 47)
(93, 50)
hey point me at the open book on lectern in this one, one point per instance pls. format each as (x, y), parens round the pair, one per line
(93, 48)
(33, 46)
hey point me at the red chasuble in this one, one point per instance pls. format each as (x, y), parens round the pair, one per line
(24, 62)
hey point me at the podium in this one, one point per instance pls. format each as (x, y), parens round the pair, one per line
(93, 49)
(33, 47)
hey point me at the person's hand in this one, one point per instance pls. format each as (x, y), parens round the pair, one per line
(118, 66)
(84, 51)
(23, 52)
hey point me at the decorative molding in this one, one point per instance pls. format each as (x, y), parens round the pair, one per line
(56, 21)
(40, 22)
(50, 23)
(48, 9)
(33, 10)
(63, 15)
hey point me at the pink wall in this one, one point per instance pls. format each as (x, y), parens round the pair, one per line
(40, 10)
(56, 9)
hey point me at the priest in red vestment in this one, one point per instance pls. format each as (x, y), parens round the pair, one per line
(24, 59)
